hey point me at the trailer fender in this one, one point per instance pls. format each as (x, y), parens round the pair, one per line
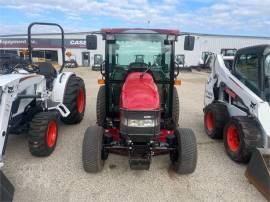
(59, 86)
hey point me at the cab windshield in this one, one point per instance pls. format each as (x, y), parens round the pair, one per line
(139, 52)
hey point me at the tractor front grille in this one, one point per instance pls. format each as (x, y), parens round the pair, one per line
(140, 123)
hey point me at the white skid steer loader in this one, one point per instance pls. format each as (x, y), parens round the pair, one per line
(32, 99)
(237, 109)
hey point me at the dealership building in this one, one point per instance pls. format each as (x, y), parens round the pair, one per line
(47, 46)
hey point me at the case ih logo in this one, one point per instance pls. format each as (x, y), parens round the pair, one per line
(78, 42)
(41, 43)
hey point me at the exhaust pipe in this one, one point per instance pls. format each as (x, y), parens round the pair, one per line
(258, 171)
(6, 188)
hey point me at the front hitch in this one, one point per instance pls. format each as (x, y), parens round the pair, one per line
(140, 157)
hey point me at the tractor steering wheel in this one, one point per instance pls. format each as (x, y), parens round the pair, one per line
(31, 68)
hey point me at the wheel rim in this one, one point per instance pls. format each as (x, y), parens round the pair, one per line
(209, 121)
(81, 101)
(51, 133)
(233, 138)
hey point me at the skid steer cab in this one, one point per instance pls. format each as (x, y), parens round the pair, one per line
(138, 105)
(237, 109)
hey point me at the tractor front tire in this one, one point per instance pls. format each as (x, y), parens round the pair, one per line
(241, 136)
(101, 107)
(215, 118)
(176, 107)
(185, 156)
(43, 134)
(92, 149)
(74, 100)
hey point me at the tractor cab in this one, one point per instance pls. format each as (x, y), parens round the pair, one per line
(252, 67)
(138, 105)
(145, 51)
(228, 56)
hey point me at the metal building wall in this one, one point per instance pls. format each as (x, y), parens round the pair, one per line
(214, 44)
(76, 52)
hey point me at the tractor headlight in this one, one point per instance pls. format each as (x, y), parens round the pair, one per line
(140, 122)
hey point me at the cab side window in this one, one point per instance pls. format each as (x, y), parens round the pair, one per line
(247, 71)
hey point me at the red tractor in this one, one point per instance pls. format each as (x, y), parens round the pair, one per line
(138, 105)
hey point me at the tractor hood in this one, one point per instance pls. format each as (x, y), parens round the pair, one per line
(15, 79)
(9, 78)
(140, 92)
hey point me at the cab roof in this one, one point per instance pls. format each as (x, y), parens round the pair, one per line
(139, 31)
(259, 50)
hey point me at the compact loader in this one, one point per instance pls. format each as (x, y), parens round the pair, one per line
(237, 109)
(33, 97)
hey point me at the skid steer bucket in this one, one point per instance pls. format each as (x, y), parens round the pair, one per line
(258, 171)
(6, 188)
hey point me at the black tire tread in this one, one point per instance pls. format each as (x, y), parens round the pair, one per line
(221, 117)
(187, 151)
(70, 100)
(251, 134)
(37, 134)
(176, 106)
(101, 107)
(251, 130)
(91, 150)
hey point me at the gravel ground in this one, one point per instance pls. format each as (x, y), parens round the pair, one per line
(61, 177)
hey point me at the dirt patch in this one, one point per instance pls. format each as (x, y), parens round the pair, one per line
(112, 166)
(171, 172)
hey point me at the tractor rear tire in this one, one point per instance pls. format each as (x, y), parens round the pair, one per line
(215, 119)
(241, 136)
(176, 107)
(92, 149)
(43, 134)
(74, 100)
(185, 157)
(101, 107)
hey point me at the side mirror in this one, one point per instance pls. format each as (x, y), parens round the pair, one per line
(189, 43)
(91, 42)
(166, 42)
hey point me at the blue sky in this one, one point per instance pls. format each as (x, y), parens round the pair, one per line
(249, 17)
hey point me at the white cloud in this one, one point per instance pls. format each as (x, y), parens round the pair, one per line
(228, 16)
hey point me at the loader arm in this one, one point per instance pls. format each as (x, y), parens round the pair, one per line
(249, 103)
(5, 112)
(13, 86)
